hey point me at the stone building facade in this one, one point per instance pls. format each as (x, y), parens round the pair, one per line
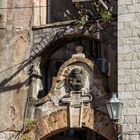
(48, 43)
(129, 66)
(37, 60)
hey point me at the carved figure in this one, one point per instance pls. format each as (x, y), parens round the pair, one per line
(76, 79)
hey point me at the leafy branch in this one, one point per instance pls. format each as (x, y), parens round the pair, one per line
(100, 13)
(101, 9)
(29, 126)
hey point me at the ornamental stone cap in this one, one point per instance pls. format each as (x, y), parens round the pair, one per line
(79, 49)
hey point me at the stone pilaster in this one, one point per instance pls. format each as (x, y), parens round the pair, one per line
(129, 65)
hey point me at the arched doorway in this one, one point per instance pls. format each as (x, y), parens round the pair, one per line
(76, 134)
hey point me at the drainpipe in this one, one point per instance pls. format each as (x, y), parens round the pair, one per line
(49, 11)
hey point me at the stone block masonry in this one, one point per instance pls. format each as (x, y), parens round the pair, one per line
(128, 66)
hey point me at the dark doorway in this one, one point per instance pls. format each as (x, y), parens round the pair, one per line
(77, 134)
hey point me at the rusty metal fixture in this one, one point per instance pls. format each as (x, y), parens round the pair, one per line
(118, 131)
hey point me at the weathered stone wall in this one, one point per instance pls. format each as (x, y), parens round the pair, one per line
(47, 109)
(45, 35)
(129, 66)
(14, 49)
(109, 43)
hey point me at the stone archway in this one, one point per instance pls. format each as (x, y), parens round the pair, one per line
(57, 122)
(50, 122)
(45, 37)
(76, 134)
(58, 114)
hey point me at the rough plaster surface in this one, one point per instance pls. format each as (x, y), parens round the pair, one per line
(14, 49)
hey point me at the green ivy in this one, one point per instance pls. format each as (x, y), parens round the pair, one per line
(25, 137)
(106, 16)
(82, 20)
(29, 126)
(98, 10)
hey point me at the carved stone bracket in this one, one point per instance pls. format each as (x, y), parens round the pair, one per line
(76, 99)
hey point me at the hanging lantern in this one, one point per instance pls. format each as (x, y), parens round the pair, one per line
(114, 108)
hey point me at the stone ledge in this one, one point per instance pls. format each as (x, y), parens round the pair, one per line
(53, 25)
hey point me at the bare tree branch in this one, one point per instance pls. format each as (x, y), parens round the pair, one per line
(103, 4)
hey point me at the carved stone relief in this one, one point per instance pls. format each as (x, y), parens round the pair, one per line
(75, 91)
(76, 98)
(70, 89)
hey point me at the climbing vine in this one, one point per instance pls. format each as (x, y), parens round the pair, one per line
(100, 8)
(29, 126)
(100, 12)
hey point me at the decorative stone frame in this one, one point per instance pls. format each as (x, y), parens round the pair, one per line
(51, 124)
(44, 39)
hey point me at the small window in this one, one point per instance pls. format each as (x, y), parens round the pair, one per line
(57, 8)
(50, 11)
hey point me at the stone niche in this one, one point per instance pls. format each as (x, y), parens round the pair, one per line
(75, 92)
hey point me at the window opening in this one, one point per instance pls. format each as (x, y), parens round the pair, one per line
(57, 8)
(50, 11)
